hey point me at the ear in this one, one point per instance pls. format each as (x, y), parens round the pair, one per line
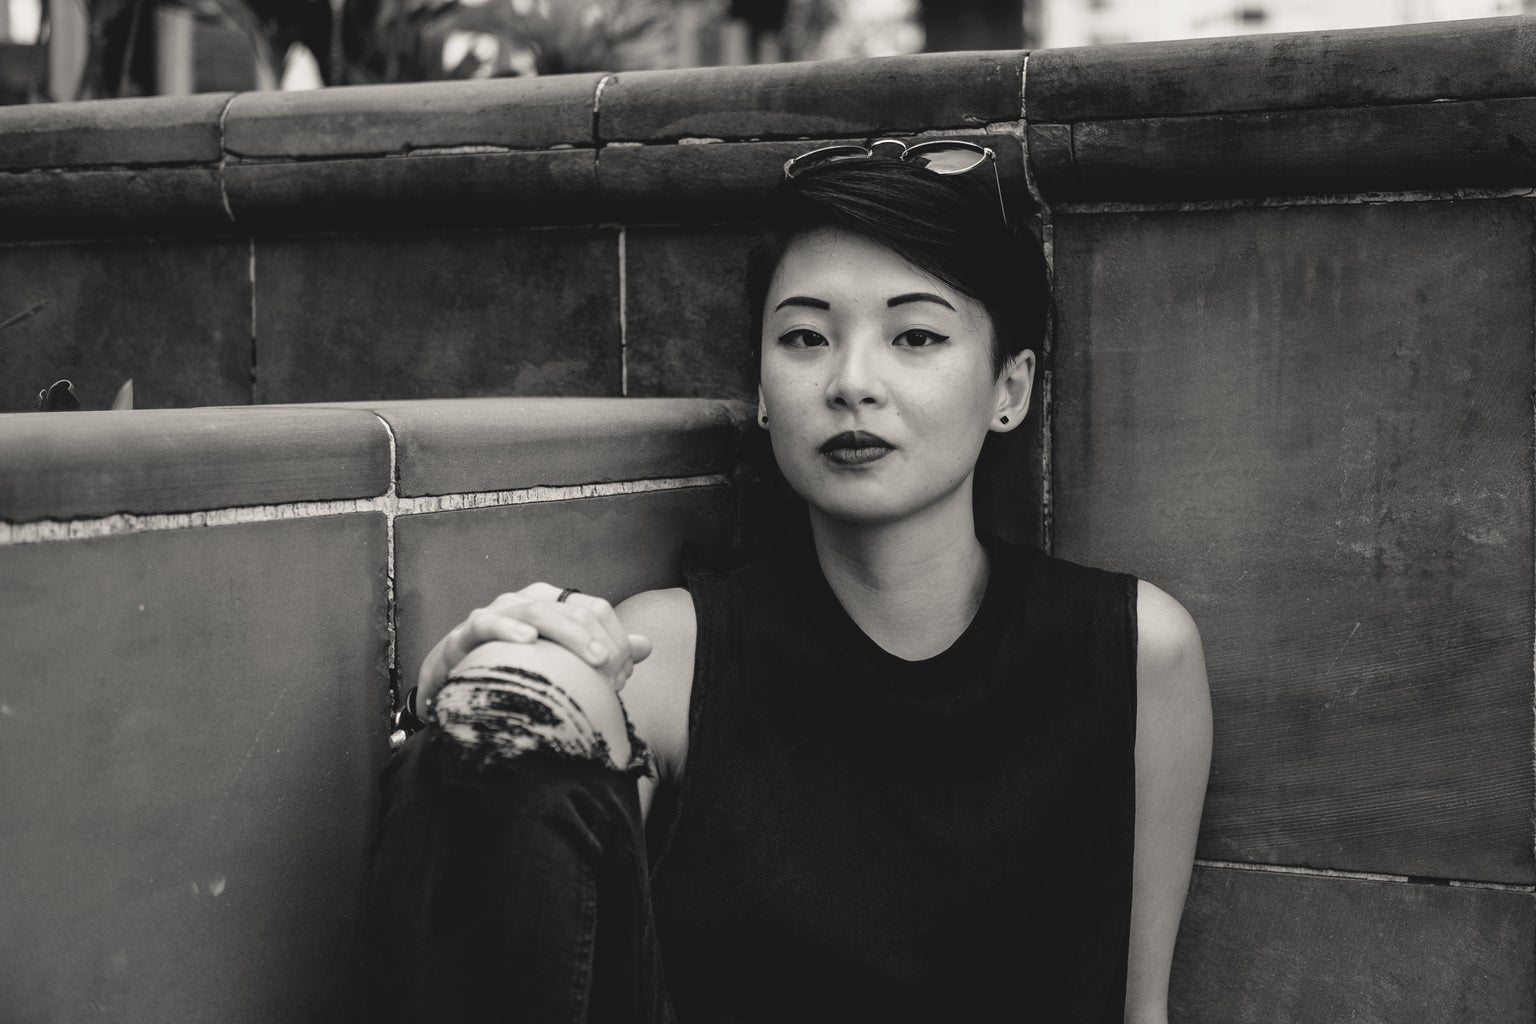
(762, 408)
(1012, 392)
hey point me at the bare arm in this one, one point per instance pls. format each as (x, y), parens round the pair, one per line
(1173, 757)
(656, 698)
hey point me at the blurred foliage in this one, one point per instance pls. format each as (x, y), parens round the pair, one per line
(120, 41)
(560, 37)
(372, 41)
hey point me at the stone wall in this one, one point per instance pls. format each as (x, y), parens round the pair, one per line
(202, 614)
(1290, 382)
(572, 235)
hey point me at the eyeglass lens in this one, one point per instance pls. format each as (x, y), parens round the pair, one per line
(941, 157)
(946, 159)
(830, 154)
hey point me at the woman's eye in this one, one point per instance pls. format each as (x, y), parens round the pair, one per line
(801, 338)
(920, 338)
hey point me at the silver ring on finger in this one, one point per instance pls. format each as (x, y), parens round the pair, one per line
(567, 592)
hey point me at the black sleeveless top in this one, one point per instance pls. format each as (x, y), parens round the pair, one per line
(859, 837)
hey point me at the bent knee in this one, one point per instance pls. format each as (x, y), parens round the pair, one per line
(507, 700)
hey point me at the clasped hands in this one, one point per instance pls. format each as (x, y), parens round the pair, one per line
(583, 624)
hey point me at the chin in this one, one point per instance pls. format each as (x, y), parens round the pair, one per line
(866, 501)
(865, 505)
(860, 515)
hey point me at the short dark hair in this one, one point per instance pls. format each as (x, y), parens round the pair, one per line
(948, 226)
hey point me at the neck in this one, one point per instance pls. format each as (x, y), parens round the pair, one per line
(912, 585)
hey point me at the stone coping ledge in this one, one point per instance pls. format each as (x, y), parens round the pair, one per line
(150, 131)
(556, 150)
(393, 120)
(1439, 106)
(464, 445)
(1429, 107)
(1476, 59)
(64, 466)
(815, 99)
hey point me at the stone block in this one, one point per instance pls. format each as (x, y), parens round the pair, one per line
(815, 99)
(437, 316)
(449, 563)
(1313, 427)
(1440, 60)
(380, 120)
(1050, 159)
(502, 444)
(1439, 145)
(1257, 947)
(431, 191)
(687, 325)
(105, 202)
(690, 184)
(113, 133)
(72, 465)
(173, 314)
(190, 780)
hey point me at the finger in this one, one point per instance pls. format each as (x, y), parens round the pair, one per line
(487, 624)
(639, 646)
(560, 624)
(509, 600)
(431, 673)
(607, 619)
(540, 591)
(482, 626)
(613, 640)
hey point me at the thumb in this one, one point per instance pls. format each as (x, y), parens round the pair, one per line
(639, 647)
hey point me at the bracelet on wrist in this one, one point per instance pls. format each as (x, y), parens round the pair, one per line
(406, 722)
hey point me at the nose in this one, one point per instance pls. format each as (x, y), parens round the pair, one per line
(856, 378)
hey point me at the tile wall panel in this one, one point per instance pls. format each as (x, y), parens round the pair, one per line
(1313, 427)
(191, 724)
(437, 316)
(173, 314)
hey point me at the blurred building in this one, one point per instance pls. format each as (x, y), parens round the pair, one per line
(1091, 22)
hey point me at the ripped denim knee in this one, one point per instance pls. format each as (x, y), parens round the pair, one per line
(495, 715)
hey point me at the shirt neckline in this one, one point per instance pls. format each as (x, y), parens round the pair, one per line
(945, 671)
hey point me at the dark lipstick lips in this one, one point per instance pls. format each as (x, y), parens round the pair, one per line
(855, 439)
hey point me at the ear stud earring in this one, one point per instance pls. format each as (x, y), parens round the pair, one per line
(1004, 419)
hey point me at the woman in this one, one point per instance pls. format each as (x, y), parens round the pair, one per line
(899, 770)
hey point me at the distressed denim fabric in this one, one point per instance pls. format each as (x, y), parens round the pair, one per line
(509, 877)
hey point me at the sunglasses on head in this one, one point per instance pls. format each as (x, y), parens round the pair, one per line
(942, 156)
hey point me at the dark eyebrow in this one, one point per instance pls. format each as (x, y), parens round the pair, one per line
(803, 300)
(917, 297)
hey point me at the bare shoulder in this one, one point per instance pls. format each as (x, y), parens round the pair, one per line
(656, 696)
(1167, 639)
(1172, 691)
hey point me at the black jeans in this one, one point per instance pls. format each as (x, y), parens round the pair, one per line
(516, 891)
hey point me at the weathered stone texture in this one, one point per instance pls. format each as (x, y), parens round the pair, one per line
(494, 444)
(191, 724)
(1313, 427)
(173, 314)
(437, 316)
(80, 464)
